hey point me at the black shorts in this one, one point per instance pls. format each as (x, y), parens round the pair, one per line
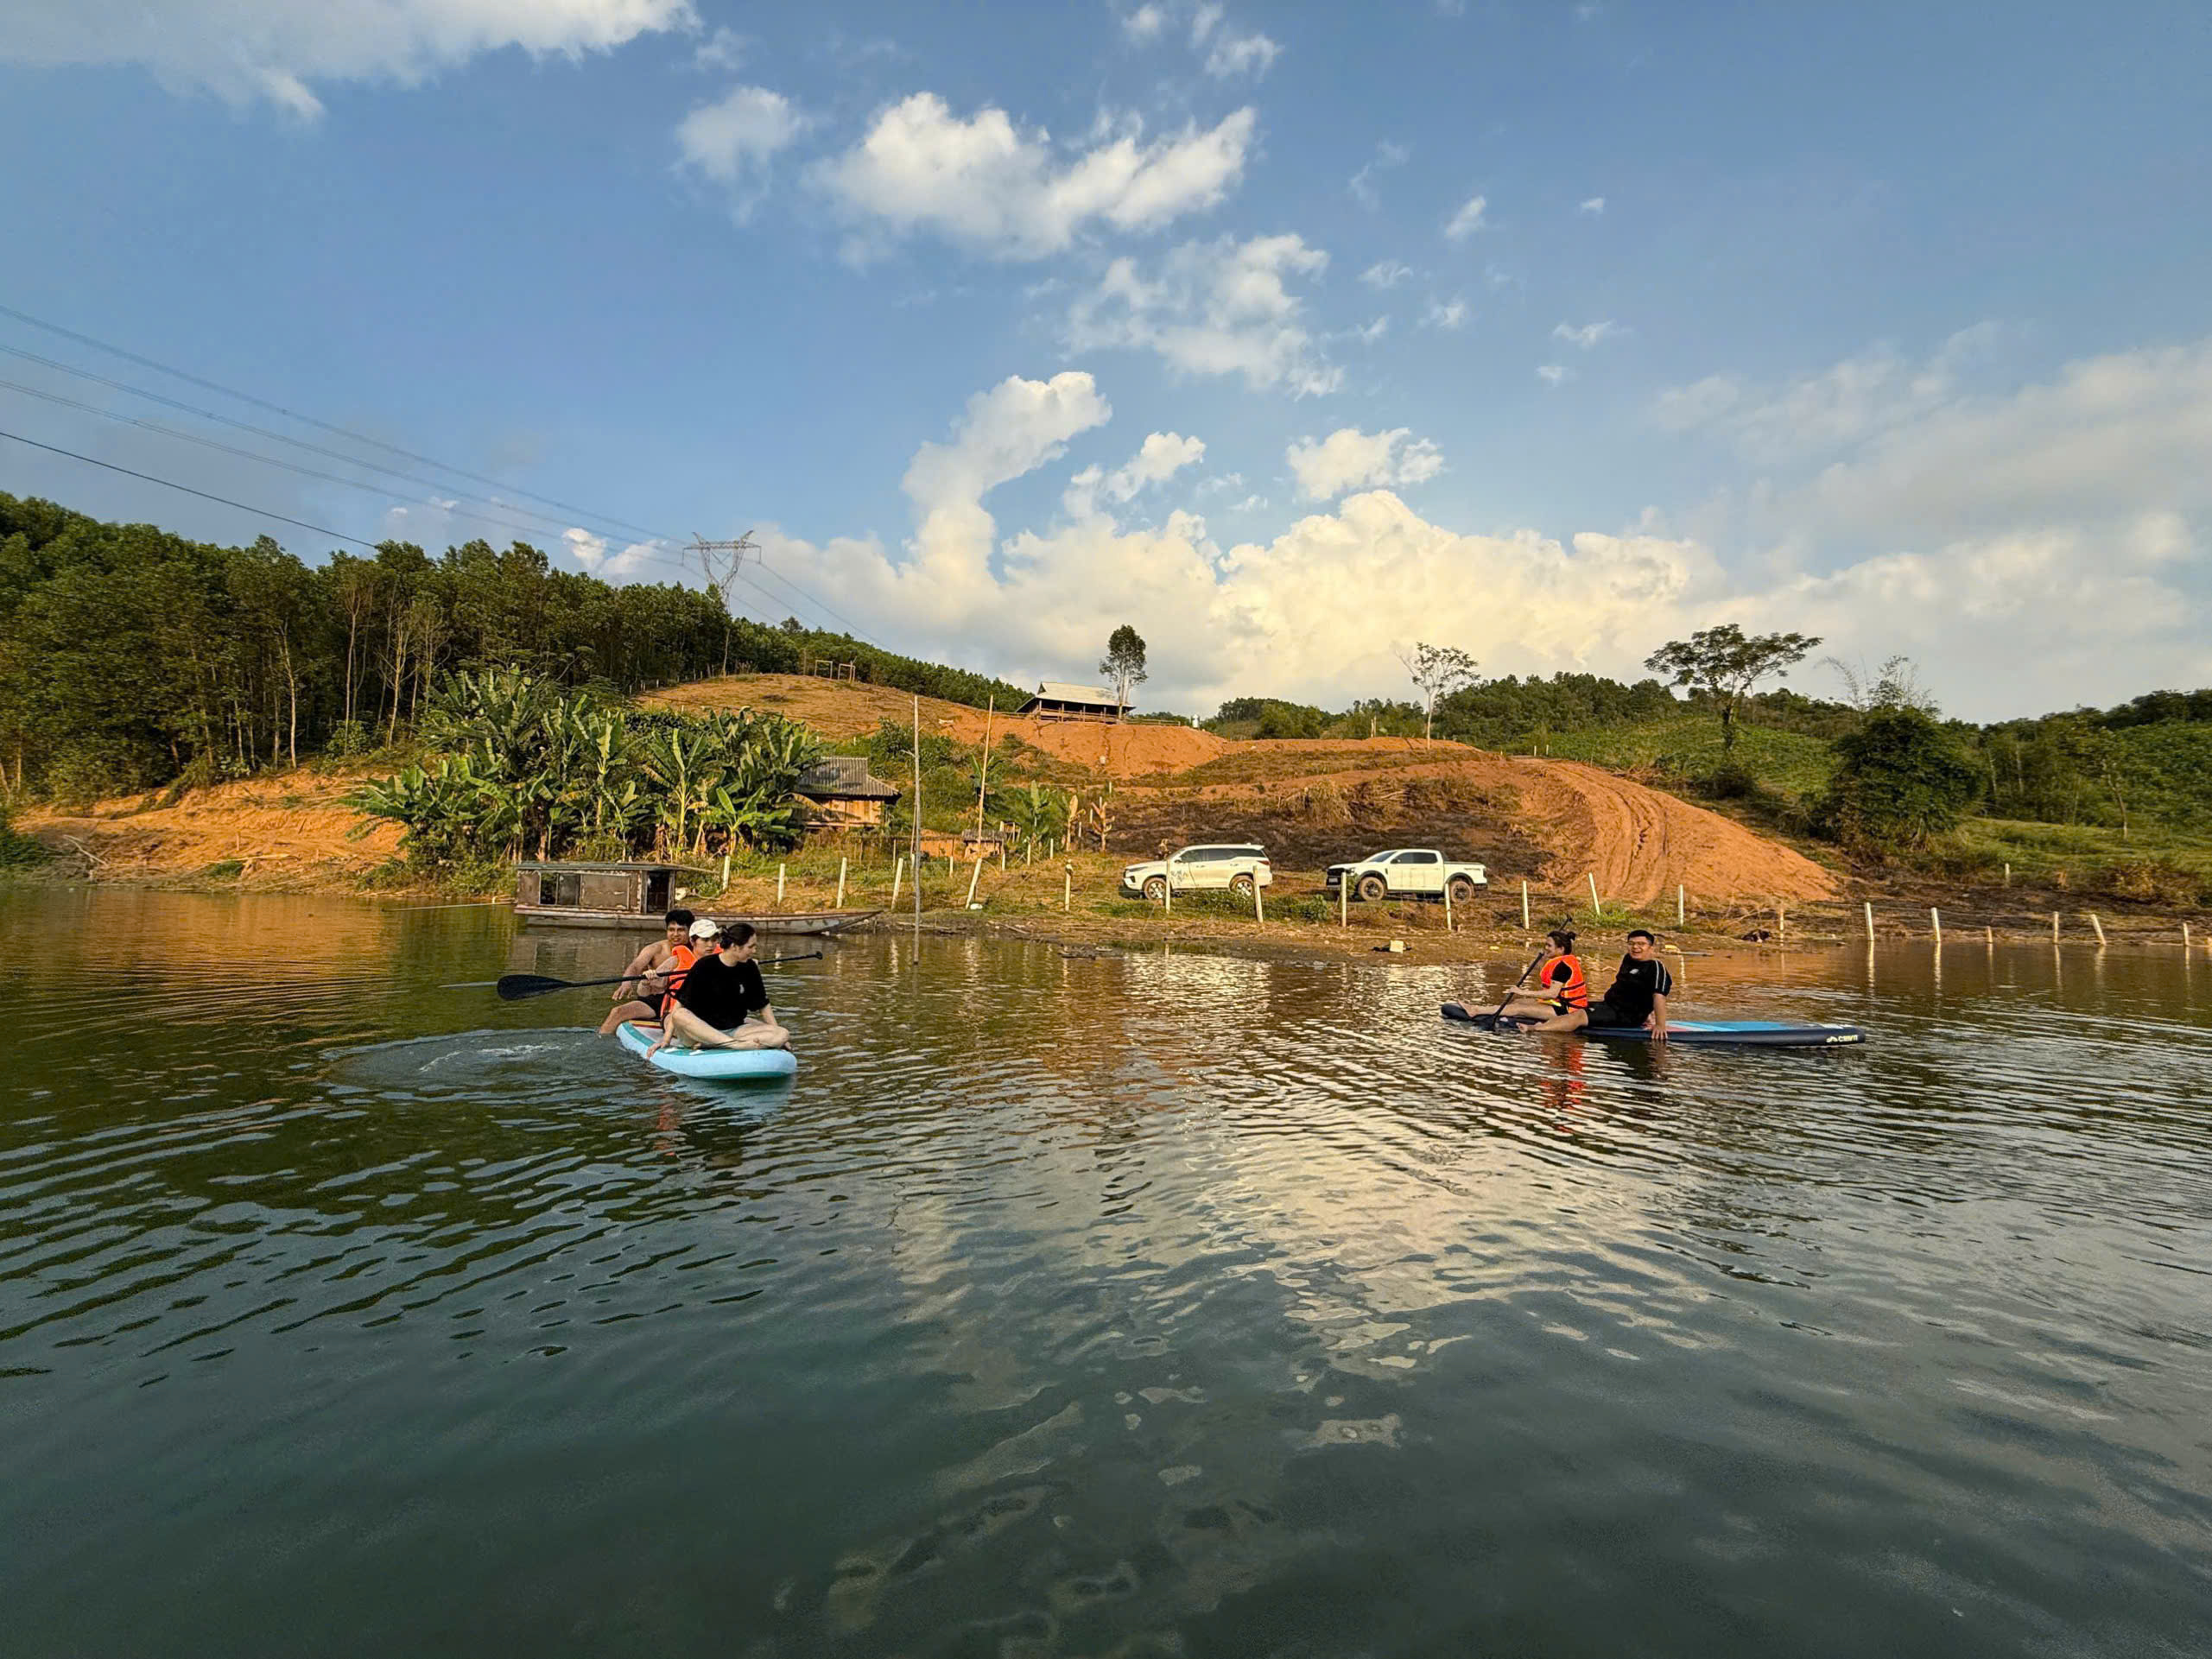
(1606, 1015)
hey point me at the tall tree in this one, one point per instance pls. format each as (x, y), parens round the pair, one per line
(1124, 662)
(1437, 671)
(1725, 662)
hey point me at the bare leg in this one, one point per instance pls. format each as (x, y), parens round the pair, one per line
(636, 1013)
(757, 1033)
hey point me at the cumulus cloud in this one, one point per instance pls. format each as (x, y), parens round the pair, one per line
(733, 140)
(1586, 335)
(2094, 584)
(1446, 314)
(618, 567)
(1231, 56)
(1466, 222)
(1594, 205)
(986, 183)
(1220, 307)
(1385, 273)
(1349, 459)
(1162, 455)
(1553, 374)
(279, 50)
(724, 49)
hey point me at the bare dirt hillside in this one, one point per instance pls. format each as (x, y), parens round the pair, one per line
(293, 831)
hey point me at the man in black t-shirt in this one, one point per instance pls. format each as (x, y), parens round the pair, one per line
(723, 1003)
(1639, 991)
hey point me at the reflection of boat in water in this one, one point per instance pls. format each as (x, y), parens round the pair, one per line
(583, 895)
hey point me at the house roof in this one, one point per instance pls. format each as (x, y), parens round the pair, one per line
(1055, 691)
(844, 777)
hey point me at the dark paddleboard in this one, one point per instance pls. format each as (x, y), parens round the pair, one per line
(1738, 1034)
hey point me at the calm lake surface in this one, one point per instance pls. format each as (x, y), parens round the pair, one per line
(1150, 1304)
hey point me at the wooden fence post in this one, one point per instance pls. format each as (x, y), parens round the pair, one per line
(779, 887)
(725, 870)
(840, 881)
(1781, 923)
(2053, 926)
(1067, 887)
(898, 877)
(2100, 928)
(1258, 905)
(1870, 921)
(974, 876)
(1525, 907)
(1596, 909)
(1681, 910)
(1344, 900)
(1447, 908)
(1936, 921)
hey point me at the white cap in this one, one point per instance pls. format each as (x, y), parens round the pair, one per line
(703, 928)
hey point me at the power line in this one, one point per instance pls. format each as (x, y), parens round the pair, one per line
(431, 484)
(248, 454)
(307, 420)
(584, 513)
(171, 484)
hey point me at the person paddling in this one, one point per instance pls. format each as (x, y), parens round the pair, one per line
(1638, 995)
(655, 970)
(1564, 998)
(723, 1003)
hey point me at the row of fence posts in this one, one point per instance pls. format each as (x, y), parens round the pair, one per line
(1344, 900)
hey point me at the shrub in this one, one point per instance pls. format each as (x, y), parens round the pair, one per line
(1900, 779)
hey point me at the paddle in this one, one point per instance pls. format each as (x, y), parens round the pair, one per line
(1496, 1019)
(513, 987)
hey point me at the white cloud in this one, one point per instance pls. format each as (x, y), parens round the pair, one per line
(1144, 24)
(1202, 19)
(1465, 222)
(1231, 56)
(1362, 183)
(734, 140)
(1385, 273)
(725, 49)
(1161, 456)
(1594, 205)
(591, 552)
(2094, 591)
(1368, 333)
(1446, 314)
(279, 50)
(987, 184)
(1217, 307)
(1349, 459)
(1553, 373)
(1586, 336)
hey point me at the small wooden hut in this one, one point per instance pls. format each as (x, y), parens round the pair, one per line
(843, 796)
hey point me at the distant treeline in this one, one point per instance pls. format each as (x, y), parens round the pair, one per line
(130, 656)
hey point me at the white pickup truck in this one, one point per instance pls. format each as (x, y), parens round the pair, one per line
(1409, 873)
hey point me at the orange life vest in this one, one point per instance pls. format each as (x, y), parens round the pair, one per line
(1573, 991)
(683, 956)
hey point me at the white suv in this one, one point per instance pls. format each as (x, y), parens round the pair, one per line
(1239, 868)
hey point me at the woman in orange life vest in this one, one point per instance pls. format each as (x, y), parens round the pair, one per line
(1563, 1002)
(656, 972)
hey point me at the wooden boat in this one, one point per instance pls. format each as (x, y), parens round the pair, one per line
(577, 894)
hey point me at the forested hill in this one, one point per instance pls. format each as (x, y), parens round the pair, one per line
(130, 656)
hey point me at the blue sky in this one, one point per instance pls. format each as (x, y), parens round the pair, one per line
(1291, 335)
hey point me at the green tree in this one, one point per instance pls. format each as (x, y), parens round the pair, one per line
(1123, 663)
(1437, 671)
(1899, 780)
(1726, 663)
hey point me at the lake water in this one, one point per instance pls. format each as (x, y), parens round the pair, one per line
(1139, 1305)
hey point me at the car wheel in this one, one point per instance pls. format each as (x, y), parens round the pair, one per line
(1241, 886)
(1156, 888)
(1462, 890)
(1371, 887)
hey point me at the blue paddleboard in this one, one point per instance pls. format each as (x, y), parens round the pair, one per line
(721, 1065)
(1738, 1034)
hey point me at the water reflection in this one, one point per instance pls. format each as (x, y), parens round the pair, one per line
(1082, 1303)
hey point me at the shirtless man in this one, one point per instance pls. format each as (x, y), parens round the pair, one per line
(648, 977)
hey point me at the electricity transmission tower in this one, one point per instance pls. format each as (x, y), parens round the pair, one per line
(722, 562)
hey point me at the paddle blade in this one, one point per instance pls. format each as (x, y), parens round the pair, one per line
(513, 987)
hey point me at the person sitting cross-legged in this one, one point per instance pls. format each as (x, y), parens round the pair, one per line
(723, 1003)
